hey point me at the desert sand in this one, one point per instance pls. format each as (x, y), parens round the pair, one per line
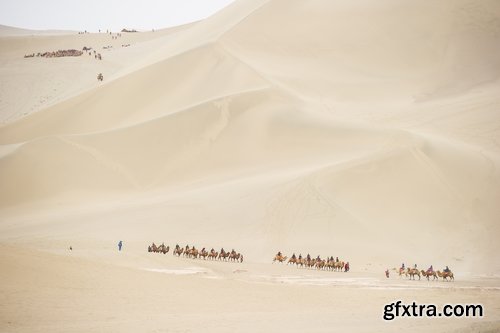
(366, 130)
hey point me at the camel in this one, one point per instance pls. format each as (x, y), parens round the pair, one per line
(187, 251)
(179, 251)
(203, 253)
(411, 272)
(338, 266)
(233, 256)
(193, 253)
(163, 249)
(310, 262)
(300, 262)
(428, 274)
(292, 260)
(320, 264)
(223, 255)
(236, 257)
(280, 258)
(153, 248)
(446, 275)
(212, 255)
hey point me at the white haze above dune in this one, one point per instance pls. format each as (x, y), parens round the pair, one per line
(112, 15)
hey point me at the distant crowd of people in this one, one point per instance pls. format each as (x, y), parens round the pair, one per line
(56, 54)
(77, 53)
(89, 50)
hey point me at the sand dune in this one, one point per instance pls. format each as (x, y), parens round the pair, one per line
(367, 130)
(235, 106)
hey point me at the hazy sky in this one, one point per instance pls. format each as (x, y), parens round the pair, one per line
(92, 15)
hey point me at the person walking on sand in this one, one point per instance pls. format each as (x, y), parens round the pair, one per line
(120, 244)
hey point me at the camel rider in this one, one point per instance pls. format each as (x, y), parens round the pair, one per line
(293, 256)
(300, 256)
(446, 270)
(415, 266)
(318, 258)
(308, 256)
(430, 270)
(337, 259)
(279, 254)
(402, 266)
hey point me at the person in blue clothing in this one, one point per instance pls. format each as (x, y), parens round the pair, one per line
(120, 244)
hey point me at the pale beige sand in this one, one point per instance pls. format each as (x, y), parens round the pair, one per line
(136, 291)
(370, 131)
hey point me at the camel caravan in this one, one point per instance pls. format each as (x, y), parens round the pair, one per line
(158, 249)
(328, 264)
(411, 273)
(194, 253)
(57, 54)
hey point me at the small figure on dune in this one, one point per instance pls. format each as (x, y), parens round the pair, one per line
(100, 77)
(387, 273)
(120, 244)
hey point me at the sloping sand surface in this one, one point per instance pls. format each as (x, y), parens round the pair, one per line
(366, 130)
